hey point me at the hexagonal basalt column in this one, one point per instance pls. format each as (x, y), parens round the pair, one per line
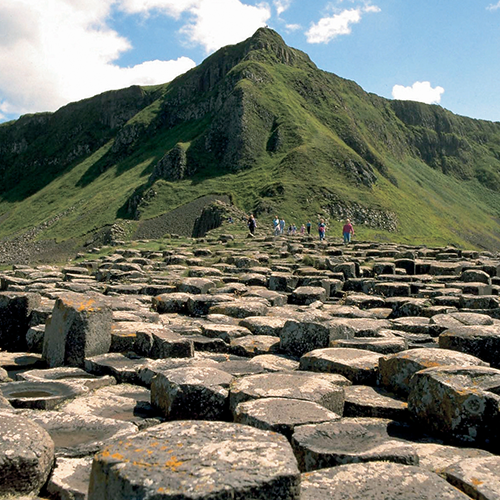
(187, 460)
(80, 327)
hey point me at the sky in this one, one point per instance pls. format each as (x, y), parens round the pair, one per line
(444, 52)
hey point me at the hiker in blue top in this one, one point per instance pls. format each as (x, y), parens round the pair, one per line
(276, 225)
(321, 229)
(282, 226)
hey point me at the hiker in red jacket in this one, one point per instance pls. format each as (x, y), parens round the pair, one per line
(347, 231)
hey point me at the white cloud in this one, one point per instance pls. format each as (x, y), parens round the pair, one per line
(328, 28)
(212, 23)
(281, 6)
(371, 8)
(292, 27)
(419, 91)
(215, 24)
(494, 6)
(173, 8)
(56, 51)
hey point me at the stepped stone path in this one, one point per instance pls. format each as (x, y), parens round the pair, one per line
(252, 368)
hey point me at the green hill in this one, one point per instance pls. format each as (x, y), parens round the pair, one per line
(259, 123)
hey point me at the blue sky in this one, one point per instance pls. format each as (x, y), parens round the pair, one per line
(445, 52)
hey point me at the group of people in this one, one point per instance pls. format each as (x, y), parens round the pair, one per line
(279, 228)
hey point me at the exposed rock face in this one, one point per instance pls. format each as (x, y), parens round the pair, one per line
(77, 130)
(360, 215)
(212, 217)
(189, 219)
(172, 166)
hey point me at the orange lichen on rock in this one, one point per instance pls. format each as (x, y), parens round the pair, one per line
(173, 463)
(89, 305)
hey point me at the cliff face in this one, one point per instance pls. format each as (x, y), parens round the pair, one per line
(449, 142)
(37, 148)
(260, 122)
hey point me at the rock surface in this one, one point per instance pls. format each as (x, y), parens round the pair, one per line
(380, 352)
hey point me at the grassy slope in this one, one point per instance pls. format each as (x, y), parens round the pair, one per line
(432, 208)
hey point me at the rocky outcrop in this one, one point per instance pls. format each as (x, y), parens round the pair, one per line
(75, 131)
(172, 166)
(361, 215)
(213, 215)
(187, 220)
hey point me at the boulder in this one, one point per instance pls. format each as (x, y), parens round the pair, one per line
(15, 313)
(299, 336)
(243, 308)
(254, 345)
(186, 460)
(161, 342)
(376, 480)
(27, 455)
(328, 392)
(225, 332)
(124, 402)
(260, 292)
(349, 440)
(357, 365)
(151, 368)
(70, 478)
(387, 345)
(264, 325)
(305, 295)
(366, 401)
(459, 404)
(436, 457)
(80, 327)
(281, 415)
(480, 341)
(275, 363)
(197, 393)
(40, 395)
(476, 477)
(195, 285)
(90, 381)
(395, 371)
(199, 305)
(79, 435)
(122, 368)
(170, 303)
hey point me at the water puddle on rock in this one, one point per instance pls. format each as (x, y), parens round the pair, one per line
(30, 394)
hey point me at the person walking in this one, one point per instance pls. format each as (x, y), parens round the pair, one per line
(282, 226)
(302, 229)
(321, 229)
(308, 227)
(252, 224)
(276, 225)
(347, 232)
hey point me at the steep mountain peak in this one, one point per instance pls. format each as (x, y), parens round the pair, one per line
(265, 46)
(268, 42)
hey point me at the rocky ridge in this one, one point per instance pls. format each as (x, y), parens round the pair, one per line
(235, 363)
